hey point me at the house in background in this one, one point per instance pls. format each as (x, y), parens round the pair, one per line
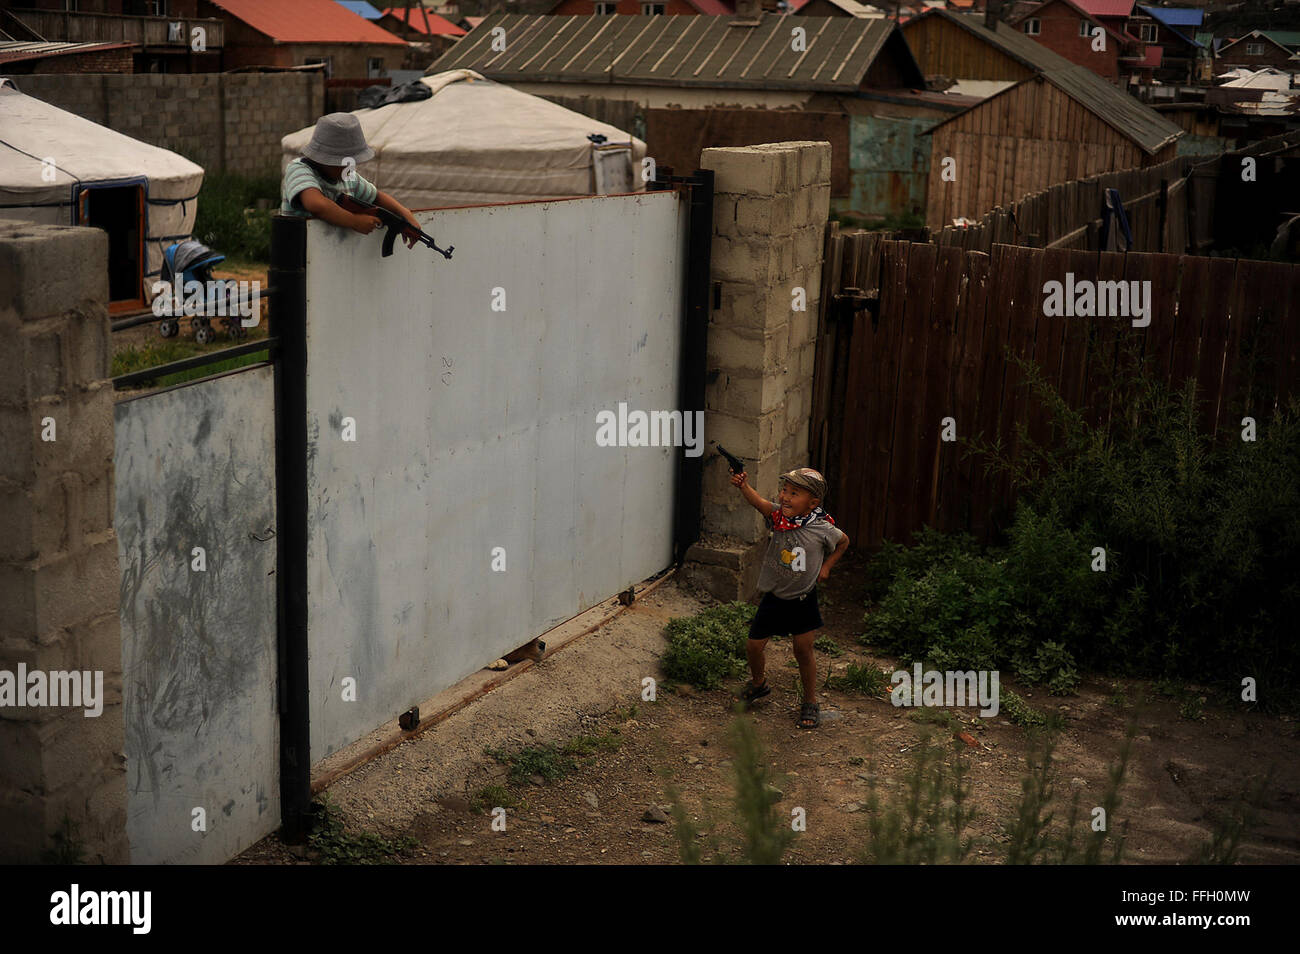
(109, 36)
(684, 84)
(1183, 58)
(1258, 49)
(1068, 28)
(1047, 120)
(435, 33)
(289, 33)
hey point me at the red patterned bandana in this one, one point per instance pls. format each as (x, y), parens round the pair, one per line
(779, 521)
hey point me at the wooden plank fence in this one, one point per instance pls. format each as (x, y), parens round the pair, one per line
(921, 338)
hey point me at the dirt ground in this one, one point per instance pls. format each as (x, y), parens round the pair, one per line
(1183, 774)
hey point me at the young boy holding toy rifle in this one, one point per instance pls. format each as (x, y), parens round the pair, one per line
(804, 545)
(326, 170)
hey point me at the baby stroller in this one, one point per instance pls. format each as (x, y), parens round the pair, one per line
(193, 261)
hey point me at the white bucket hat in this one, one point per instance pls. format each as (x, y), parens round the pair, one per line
(336, 138)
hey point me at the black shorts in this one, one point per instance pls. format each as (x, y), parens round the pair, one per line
(778, 617)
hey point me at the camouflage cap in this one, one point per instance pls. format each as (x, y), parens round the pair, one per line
(809, 479)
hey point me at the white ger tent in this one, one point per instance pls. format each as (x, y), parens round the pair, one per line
(58, 168)
(478, 141)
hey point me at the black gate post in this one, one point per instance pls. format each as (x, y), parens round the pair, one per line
(694, 363)
(288, 322)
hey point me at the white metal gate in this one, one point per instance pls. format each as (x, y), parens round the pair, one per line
(458, 501)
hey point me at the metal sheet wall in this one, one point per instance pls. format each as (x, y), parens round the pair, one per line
(195, 468)
(475, 428)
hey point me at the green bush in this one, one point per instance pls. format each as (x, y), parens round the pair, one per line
(228, 221)
(708, 648)
(1201, 541)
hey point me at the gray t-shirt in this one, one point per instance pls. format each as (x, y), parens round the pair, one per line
(794, 558)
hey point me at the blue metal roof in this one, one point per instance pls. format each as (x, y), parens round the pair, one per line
(360, 8)
(1176, 16)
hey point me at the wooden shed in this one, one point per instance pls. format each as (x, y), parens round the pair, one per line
(960, 47)
(1057, 122)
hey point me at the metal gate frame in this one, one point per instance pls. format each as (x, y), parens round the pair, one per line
(288, 324)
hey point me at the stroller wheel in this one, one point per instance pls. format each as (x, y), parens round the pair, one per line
(203, 334)
(168, 328)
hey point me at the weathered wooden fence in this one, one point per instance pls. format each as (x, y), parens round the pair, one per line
(924, 340)
(1068, 215)
(1170, 207)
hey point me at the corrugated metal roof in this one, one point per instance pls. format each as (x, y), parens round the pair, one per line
(1136, 121)
(307, 21)
(676, 51)
(17, 50)
(1107, 8)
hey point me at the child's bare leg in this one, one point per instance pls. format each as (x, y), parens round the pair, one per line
(756, 649)
(807, 659)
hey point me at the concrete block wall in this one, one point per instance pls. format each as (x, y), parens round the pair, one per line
(59, 577)
(226, 122)
(769, 217)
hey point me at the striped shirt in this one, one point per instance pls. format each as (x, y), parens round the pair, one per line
(298, 175)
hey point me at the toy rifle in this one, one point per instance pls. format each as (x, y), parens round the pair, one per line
(733, 461)
(395, 224)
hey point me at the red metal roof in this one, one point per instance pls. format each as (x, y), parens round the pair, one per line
(438, 26)
(307, 21)
(1152, 56)
(1106, 8)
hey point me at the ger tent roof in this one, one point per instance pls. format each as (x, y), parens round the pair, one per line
(48, 155)
(477, 141)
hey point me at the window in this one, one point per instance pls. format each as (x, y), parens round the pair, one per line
(652, 9)
(606, 9)
(1032, 27)
(1254, 49)
(1147, 32)
(374, 67)
(1085, 28)
(327, 60)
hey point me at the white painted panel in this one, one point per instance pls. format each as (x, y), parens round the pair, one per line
(195, 467)
(476, 428)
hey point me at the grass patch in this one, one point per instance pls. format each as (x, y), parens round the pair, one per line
(553, 762)
(827, 645)
(708, 648)
(1021, 713)
(865, 679)
(939, 717)
(493, 796)
(339, 846)
(151, 355)
(765, 831)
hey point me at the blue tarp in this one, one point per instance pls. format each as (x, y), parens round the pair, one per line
(360, 8)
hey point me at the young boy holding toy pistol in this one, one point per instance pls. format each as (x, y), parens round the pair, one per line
(804, 545)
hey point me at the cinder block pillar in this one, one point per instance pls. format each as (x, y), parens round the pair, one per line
(769, 218)
(59, 577)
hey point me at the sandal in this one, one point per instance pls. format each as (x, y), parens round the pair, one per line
(810, 712)
(753, 693)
